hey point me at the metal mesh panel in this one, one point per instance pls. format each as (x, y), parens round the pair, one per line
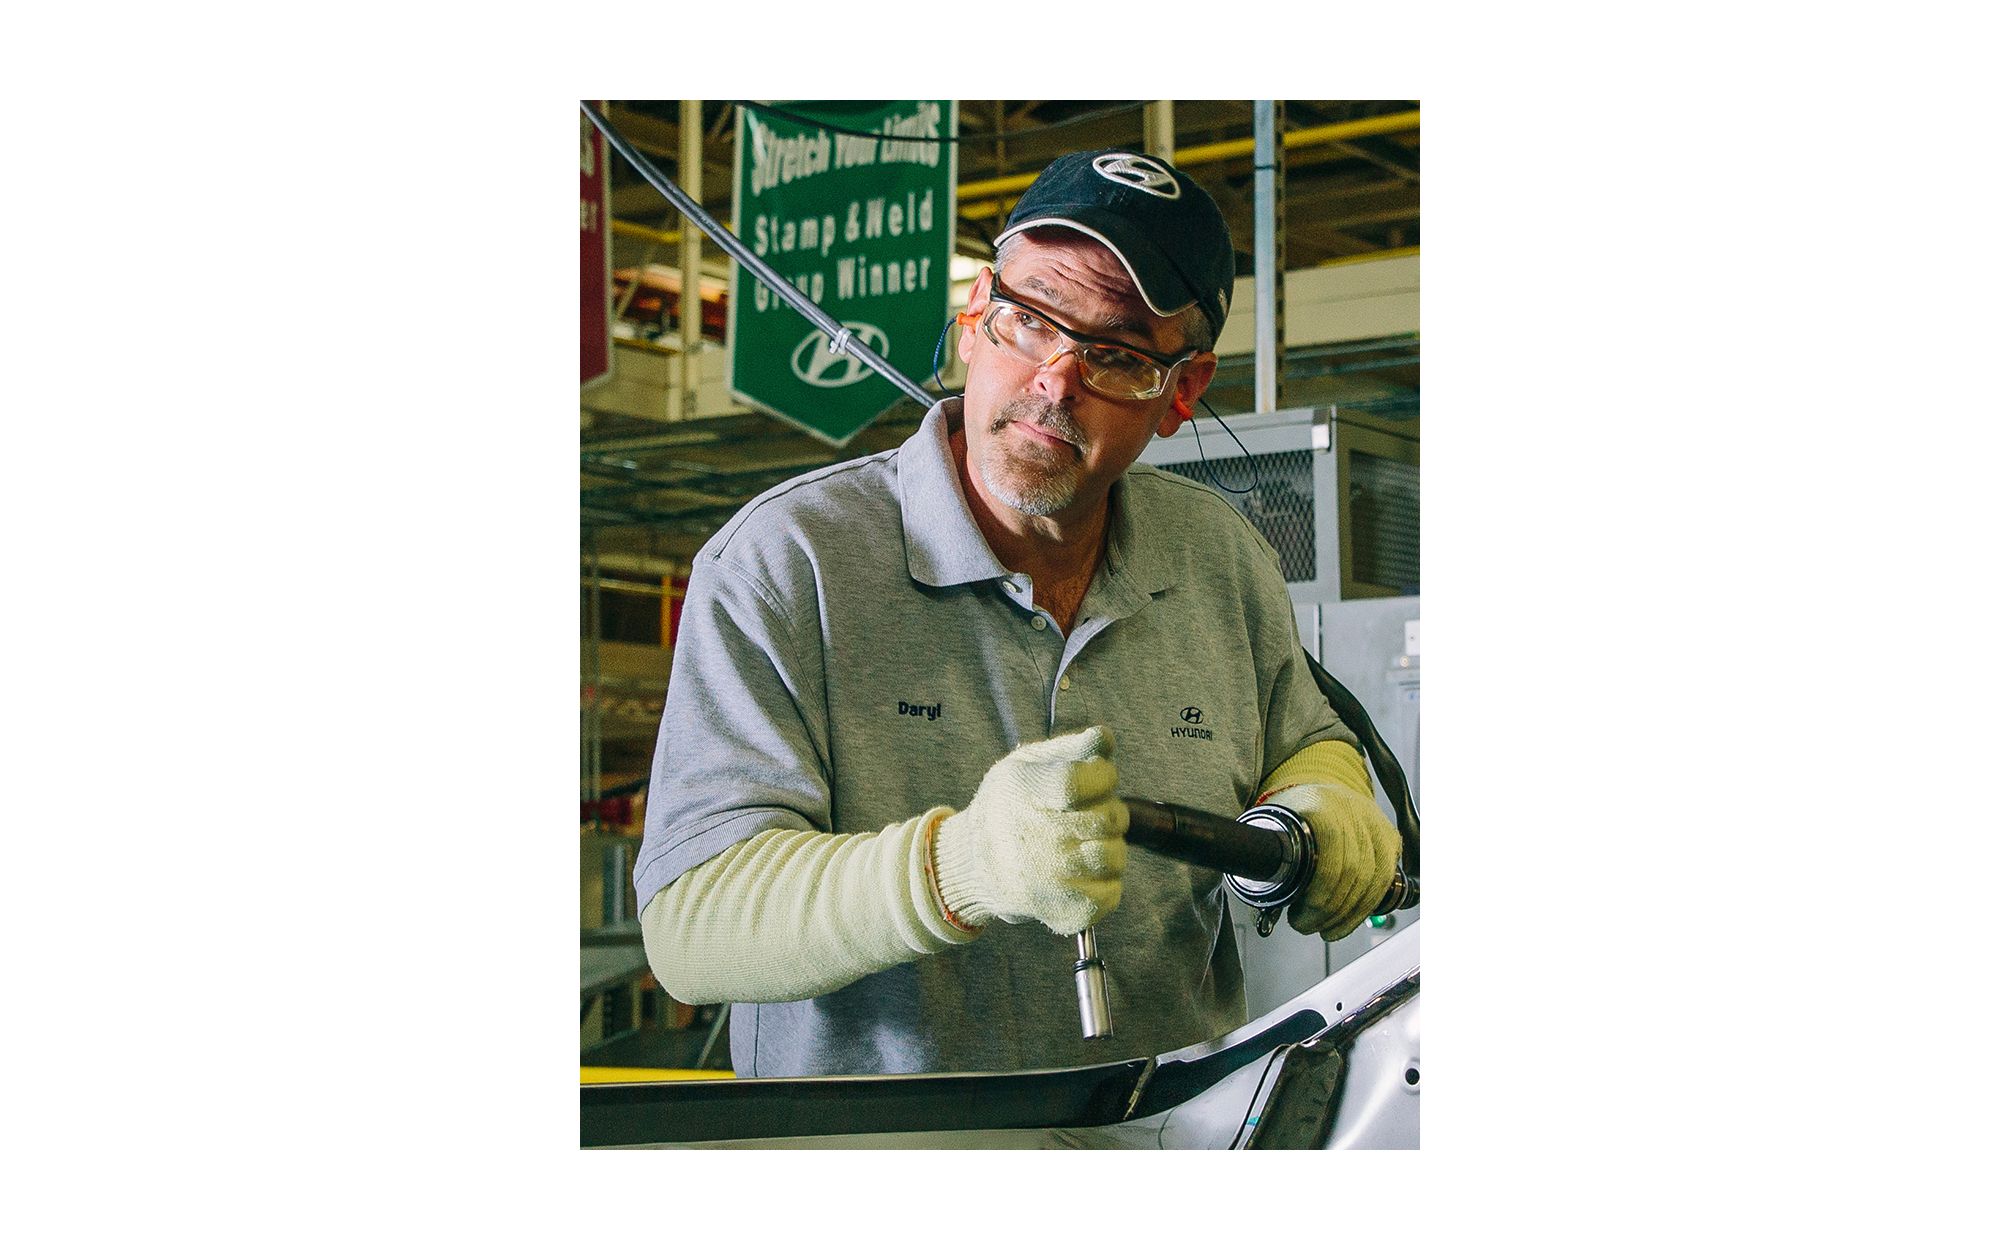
(1280, 505)
(1382, 509)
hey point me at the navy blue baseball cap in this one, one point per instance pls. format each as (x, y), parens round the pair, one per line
(1160, 224)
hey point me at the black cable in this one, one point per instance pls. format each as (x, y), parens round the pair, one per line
(937, 359)
(803, 120)
(1394, 783)
(1256, 478)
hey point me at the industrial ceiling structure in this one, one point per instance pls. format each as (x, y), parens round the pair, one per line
(655, 488)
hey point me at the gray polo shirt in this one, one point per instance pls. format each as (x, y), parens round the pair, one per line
(852, 653)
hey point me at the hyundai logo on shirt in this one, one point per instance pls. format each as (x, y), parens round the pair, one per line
(1192, 715)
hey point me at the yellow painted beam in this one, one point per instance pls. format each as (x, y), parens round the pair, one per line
(618, 1076)
(970, 191)
(1209, 153)
(1311, 136)
(633, 230)
(1386, 254)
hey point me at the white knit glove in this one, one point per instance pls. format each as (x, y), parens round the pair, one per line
(1043, 839)
(1357, 857)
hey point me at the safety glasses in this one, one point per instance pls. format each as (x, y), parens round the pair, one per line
(1113, 370)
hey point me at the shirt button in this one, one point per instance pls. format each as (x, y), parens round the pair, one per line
(1041, 622)
(1064, 683)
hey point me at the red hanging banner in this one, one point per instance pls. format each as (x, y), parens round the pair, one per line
(594, 215)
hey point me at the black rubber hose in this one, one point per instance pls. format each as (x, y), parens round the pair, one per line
(1205, 840)
(1394, 783)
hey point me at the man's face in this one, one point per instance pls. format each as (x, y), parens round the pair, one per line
(1038, 440)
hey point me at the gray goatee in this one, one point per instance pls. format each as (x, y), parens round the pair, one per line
(1034, 480)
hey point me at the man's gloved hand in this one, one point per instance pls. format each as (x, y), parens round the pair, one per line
(1357, 857)
(1043, 839)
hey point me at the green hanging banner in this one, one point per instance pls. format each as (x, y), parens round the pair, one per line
(863, 225)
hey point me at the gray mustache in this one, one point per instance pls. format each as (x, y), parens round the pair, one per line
(1050, 417)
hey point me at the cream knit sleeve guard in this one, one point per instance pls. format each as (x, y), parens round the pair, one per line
(791, 914)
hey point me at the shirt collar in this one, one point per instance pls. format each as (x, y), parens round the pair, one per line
(944, 546)
(1134, 570)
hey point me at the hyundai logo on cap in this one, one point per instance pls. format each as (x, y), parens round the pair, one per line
(1142, 172)
(1165, 230)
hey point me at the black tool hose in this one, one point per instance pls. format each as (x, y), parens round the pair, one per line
(1386, 768)
(1205, 840)
(1266, 852)
(839, 338)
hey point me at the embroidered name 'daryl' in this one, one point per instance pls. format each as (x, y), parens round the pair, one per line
(930, 711)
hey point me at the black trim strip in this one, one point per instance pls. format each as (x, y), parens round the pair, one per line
(1174, 1083)
(703, 1111)
(700, 1111)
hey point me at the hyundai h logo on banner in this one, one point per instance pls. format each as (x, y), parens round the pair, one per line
(815, 364)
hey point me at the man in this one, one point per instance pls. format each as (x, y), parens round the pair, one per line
(909, 690)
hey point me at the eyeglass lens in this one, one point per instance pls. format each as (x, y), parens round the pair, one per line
(1110, 371)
